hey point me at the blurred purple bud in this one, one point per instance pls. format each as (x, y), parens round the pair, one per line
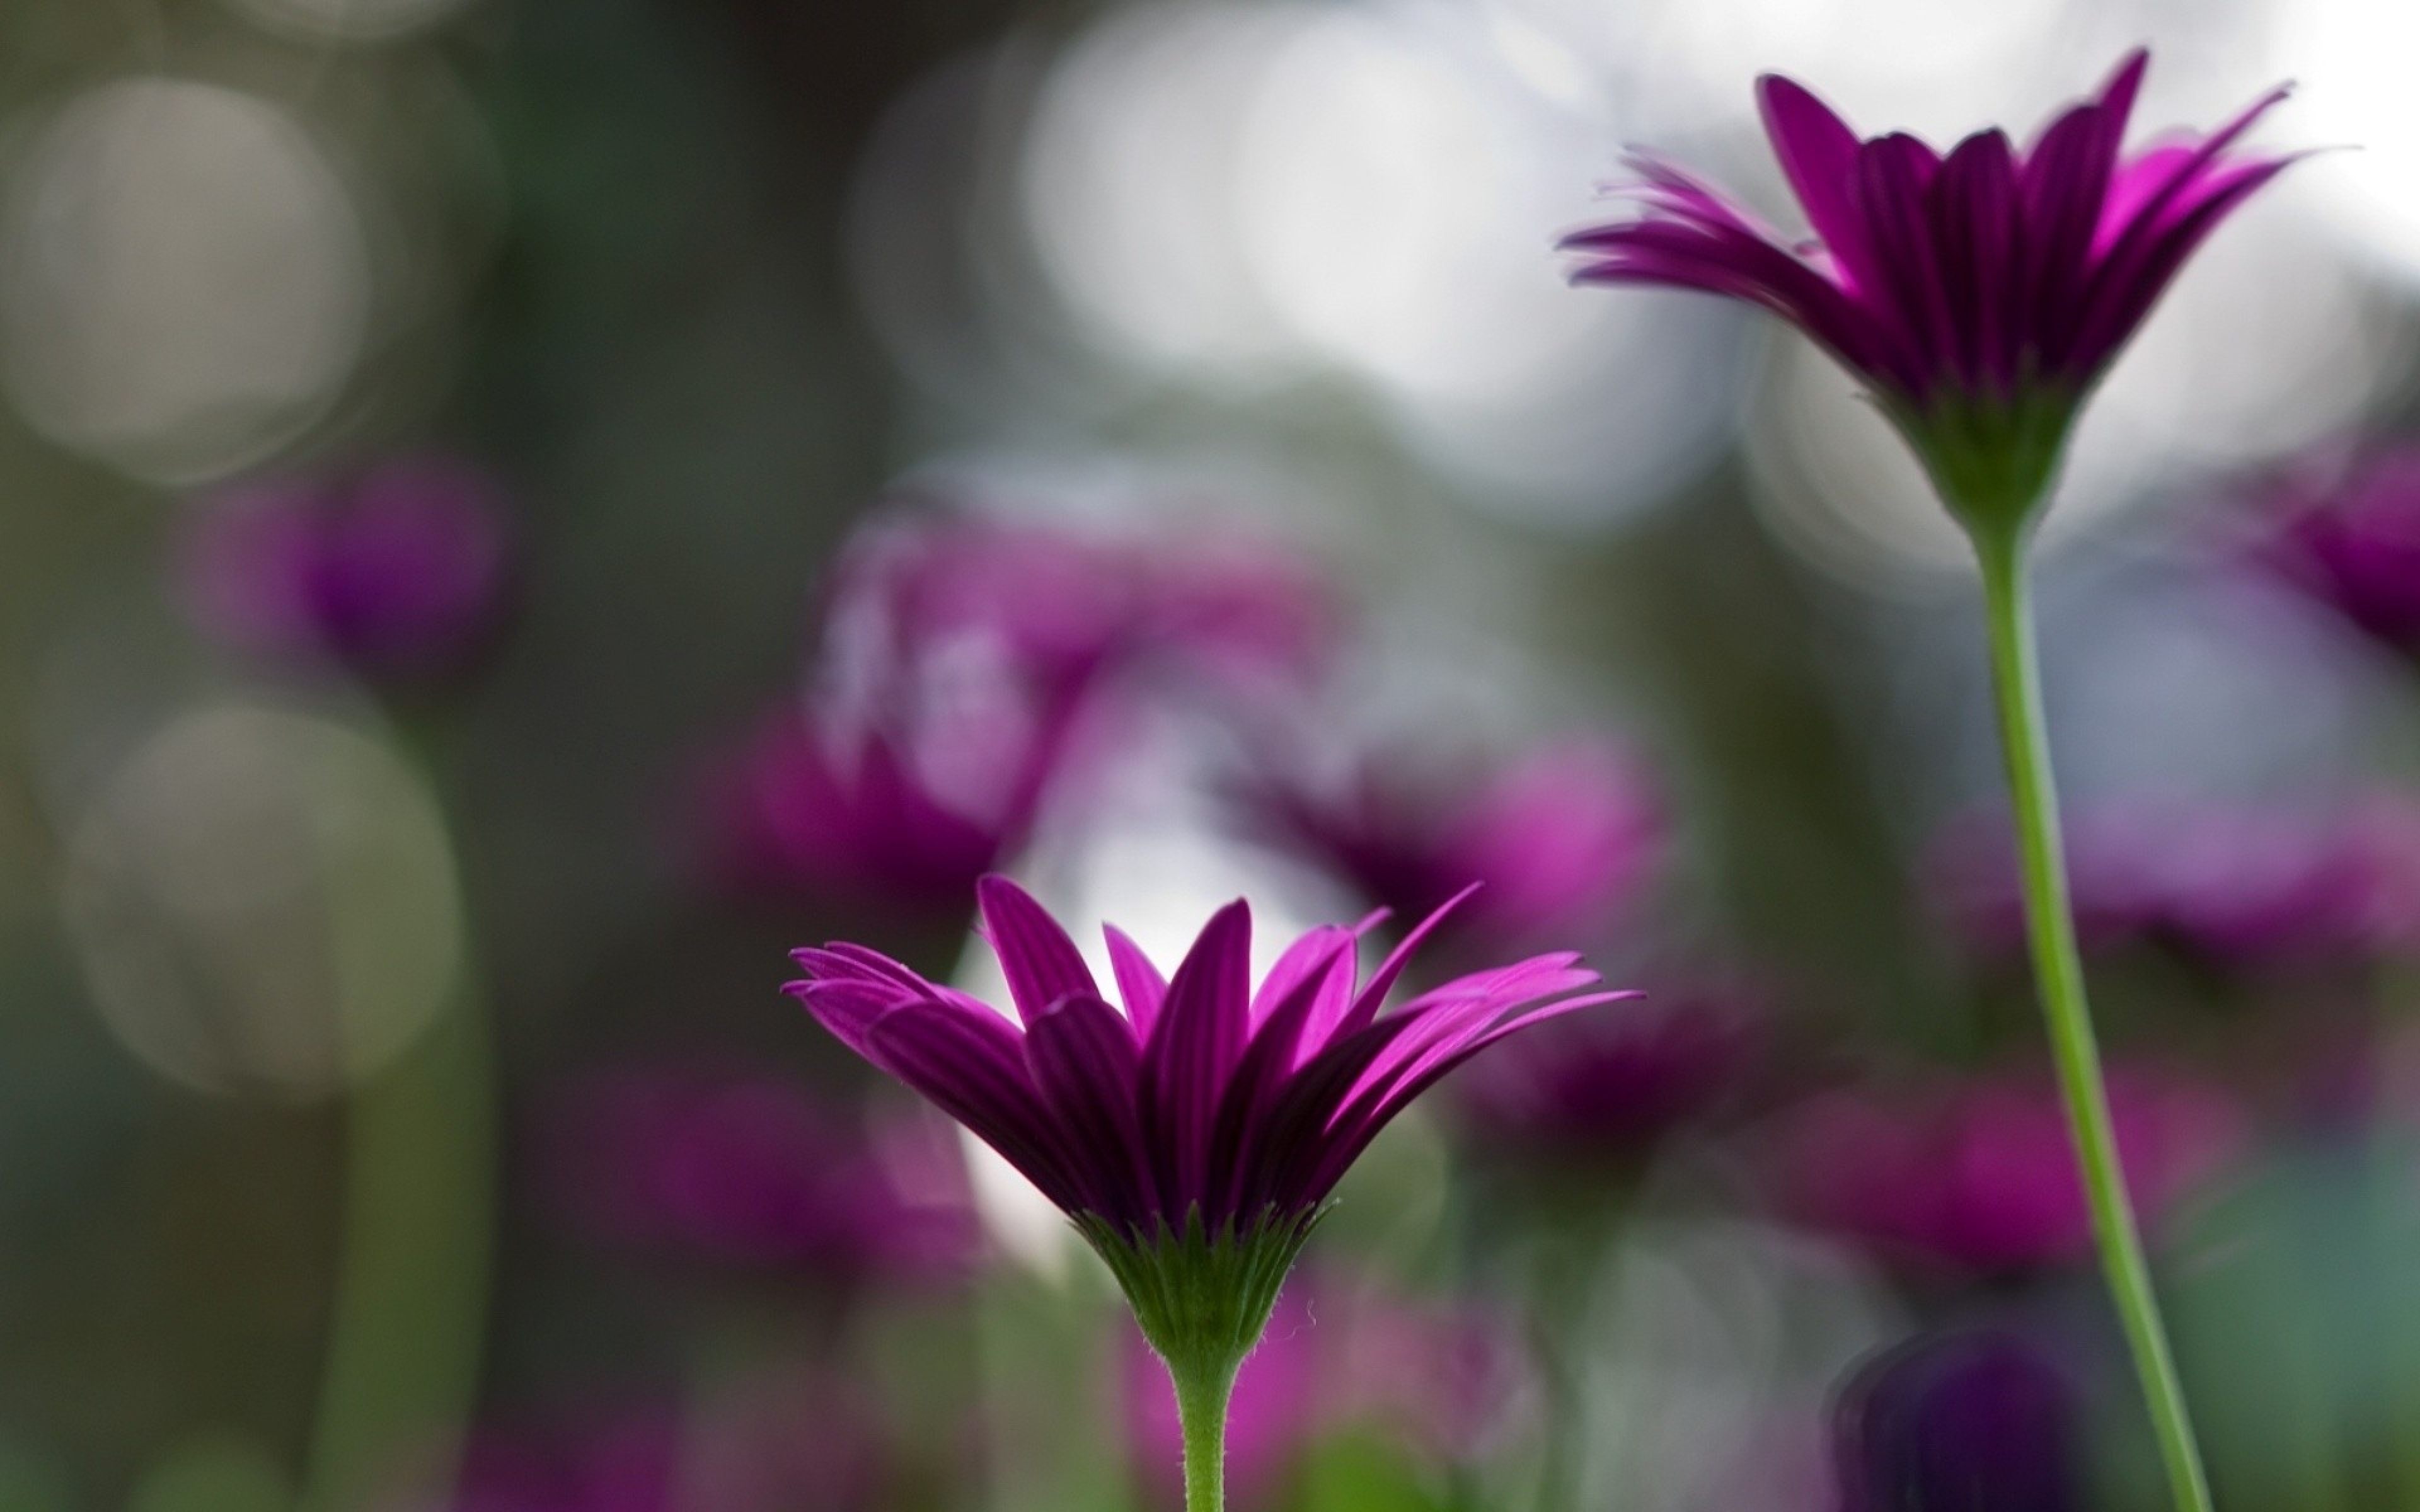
(399, 572)
(1978, 1173)
(902, 819)
(2347, 531)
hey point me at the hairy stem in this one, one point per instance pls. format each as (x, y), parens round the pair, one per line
(2058, 975)
(1202, 1398)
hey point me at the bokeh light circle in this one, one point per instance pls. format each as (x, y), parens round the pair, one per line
(1128, 178)
(184, 278)
(264, 900)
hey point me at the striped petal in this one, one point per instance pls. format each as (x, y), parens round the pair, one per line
(1041, 963)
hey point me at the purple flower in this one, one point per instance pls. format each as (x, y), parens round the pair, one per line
(2234, 887)
(1978, 1173)
(967, 668)
(1194, 1136)
(1563, 839)
(1340, 1354)
(1979, 295)
(1969, 1421)
(1203, 1099)
(398, 573)
(747, 1169)
(1606, 1087)
(2348, 531)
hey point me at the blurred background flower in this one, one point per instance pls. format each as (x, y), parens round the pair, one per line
(398, 573)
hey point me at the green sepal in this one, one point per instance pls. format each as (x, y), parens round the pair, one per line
(1992, 458)
(1202, 1298)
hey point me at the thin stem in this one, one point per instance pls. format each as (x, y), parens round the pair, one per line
(410, 1302)
(2059, 974)
(1201, 1397)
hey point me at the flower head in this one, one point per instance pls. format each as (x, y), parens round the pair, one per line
(1563, 839)
(399, 572)
(1194, 1135)
(1979, 294)
(1978, 1174)
(1980, 1421)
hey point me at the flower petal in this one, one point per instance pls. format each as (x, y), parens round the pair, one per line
(850, 1009)
(1041, 963)
(1195, 1045)
(1085, 1062)
(1355, 1126)
(1140, 983)
(1977, 231)
(2122, 300)
(1322, 1029)
(1318, 989)
(1895, 173)
(1818, 154)
(972, 1067)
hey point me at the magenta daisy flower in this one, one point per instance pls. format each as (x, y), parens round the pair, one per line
(1194, 1134)
(1980, 293)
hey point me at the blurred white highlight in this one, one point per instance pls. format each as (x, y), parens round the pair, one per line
(264, 901)
(183, 278)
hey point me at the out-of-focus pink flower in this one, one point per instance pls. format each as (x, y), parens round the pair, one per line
(1609, 1088)
(1064, 606)
(2237, 887)
(1978, 1173)
(773, 1442)
(399, 572)
(1562, 840)
(1980, 1421)
(2348, 531)
(966, 670)
(1338, 1354)
(744, 1169)
(864, 816)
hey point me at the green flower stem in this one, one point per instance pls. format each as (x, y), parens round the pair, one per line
(410, 1309)
(1202, 1298)
(1202, 1398)
(409, 1319)
(2059, 974)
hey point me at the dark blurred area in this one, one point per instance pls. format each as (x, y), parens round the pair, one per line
(514, 517)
